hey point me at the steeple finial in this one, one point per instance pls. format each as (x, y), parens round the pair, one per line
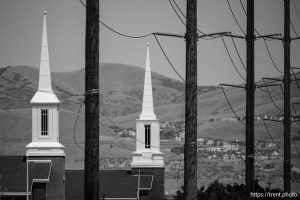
(147, 109)
(45, 75)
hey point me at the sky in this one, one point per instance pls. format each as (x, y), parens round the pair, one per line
(21, 32)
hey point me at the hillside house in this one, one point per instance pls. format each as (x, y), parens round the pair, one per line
(126, 133)
(233, 157)
(225, 156)
(213, 149)
(200, 141)
(210, 142)
(258, 118)
(235, 145)
(226, 146)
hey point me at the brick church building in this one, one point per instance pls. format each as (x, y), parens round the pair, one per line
(40, 173)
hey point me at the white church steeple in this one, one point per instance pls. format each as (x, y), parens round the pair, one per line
(147, 154)
(45, 93)
(45, 76)
(45, 127)
(147, 109)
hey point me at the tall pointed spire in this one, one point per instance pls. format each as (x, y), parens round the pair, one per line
(147, 153)
(147, 109)
(44, 93)
(45, 76)
(45, 114)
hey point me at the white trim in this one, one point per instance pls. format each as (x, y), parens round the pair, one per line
(116, 198)
(40, 161)
(13, 193)
(50, 153)
(36, 180)
(147, 165)
(45, 149)
(150, 185)
(40, 180)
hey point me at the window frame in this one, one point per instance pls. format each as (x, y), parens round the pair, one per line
(44, 125)
(147, 136)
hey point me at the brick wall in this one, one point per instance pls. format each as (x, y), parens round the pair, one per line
(158, 185)
(55, 188)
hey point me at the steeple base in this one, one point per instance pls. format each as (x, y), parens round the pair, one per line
(147, 160)
(45, 149)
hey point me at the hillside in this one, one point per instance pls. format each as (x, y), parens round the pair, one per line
(121, 90)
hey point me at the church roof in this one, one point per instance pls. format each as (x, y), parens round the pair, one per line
(44, 97)
(12, 174)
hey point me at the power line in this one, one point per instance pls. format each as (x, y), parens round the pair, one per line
(74, 128)
(292, 25)
(265, 41)
(270, 56)
(125, 35)
(298, 152)
(108, 119)
(293, 73)
(295, 113)
(241, 2)
(228, 102)
(295, 7)
(235, 47)
(226, 48)
(117, 32)
(275, 105)
(269, 134)
(142, 36)
(234, 44)
(37, 89)
(113, 123)
(93, 91)
(168, 58)
(233, 111)
(176, 13)
(235, 17)
(183, 14)
(203, 34)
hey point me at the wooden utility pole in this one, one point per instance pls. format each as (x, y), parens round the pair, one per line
(190, 147)
(250, 89)
(287, 99)
(91, 161)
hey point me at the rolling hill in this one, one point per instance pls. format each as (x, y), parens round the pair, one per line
(121, 90)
